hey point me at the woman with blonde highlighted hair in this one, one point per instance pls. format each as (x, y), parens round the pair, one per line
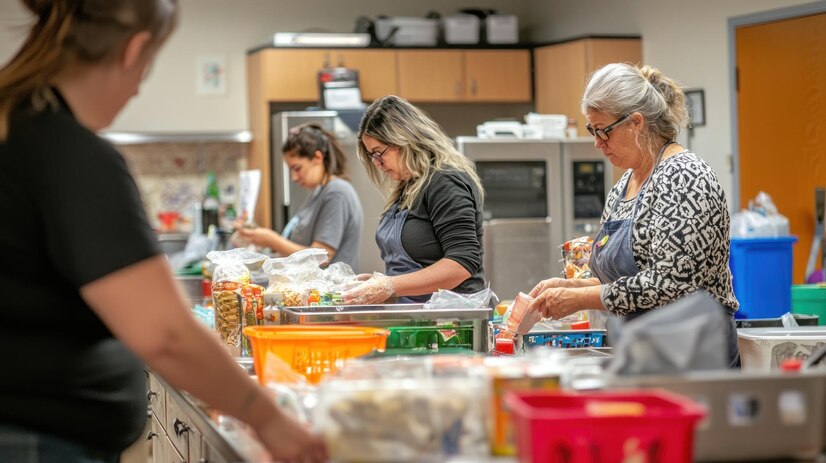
(88, 298)
(430, 234)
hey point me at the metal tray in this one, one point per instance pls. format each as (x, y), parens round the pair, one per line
(384, 314)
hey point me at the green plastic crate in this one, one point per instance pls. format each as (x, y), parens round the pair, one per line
(430, 337)
(810, 300)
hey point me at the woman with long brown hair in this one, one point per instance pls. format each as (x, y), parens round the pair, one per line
(332, 218)
(88, 298)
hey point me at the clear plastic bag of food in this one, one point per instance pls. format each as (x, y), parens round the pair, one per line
(299, 280)
(444, 299)
(575, 256)
(252, 309)
(250, 260)
(230, 274)
(424, 409)
(226, 298)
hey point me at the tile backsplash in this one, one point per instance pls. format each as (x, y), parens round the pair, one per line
(172, 176)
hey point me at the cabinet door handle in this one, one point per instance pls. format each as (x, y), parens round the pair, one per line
(180, 427)
(150, 435)
(151, 394)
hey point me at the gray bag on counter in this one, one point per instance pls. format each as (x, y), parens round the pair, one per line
(689, 334)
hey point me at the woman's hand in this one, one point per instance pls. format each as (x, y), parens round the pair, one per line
(375, 290)
(555, 302)
(291, 442)
(547, 284)
(259, 236)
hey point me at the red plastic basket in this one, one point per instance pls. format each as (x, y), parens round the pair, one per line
(640, 426)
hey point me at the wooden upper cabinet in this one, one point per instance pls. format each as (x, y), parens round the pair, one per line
(498, 75)
(291, 75)
(561, 72)
(378, 74)
(433, 76)
(444, 76)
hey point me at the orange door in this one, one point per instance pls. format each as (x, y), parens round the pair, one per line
(782, 120)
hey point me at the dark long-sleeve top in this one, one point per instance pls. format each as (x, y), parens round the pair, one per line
(446, 222)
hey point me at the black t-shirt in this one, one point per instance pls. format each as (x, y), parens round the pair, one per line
(71, 215)
(446, 222)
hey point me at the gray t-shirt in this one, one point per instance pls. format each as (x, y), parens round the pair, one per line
(331, 215)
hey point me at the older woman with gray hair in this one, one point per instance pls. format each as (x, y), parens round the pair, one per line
(665, 227)
(430, 234)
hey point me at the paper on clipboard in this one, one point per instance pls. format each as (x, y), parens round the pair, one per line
(249, 183)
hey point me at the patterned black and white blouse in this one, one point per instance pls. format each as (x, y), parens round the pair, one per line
(680, 238)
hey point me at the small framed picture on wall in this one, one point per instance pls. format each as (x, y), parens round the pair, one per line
(211, 75)
(696, 102)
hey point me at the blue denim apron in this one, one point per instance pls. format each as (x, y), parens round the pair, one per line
(612, 256)
(396, 260)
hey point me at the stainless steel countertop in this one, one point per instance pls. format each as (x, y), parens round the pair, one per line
(383, 313)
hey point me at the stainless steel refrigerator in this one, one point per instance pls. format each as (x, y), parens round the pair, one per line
(288, 196)
(538, 194)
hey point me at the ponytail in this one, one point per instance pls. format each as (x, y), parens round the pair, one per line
(68, 32)
(41, 56)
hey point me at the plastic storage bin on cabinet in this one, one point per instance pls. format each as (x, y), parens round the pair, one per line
(800, 319)
(764, 349)
(810, 300)
(651, 425)
(762, 273)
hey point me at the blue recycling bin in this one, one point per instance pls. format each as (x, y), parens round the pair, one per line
(762, 275)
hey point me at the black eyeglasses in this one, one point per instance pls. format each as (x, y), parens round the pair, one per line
(603, 133)
(377, 156)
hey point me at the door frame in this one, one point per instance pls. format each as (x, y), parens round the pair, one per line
(753, 19)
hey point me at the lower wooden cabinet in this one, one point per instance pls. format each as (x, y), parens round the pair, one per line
(174, 431)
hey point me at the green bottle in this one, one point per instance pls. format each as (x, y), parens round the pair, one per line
(212, 202)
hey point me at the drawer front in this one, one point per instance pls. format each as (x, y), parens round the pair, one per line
(172, 455)
(196, 453)
(178, 427)
(156, 394)
(156, 441)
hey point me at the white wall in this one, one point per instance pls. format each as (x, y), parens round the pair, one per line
(228, 28)
(687, 40)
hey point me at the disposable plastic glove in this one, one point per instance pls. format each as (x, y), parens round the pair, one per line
(375, 290)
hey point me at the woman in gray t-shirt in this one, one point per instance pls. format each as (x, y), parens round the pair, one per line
(331, 218)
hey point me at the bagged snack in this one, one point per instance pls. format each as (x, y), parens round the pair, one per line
(575, 256)
(429, 408)
(230, 272)
(299, 280)
(252, 308)
(519, 320)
